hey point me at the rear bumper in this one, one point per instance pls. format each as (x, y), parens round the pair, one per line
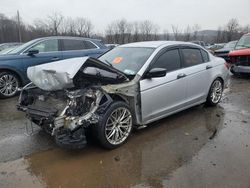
(240, 69)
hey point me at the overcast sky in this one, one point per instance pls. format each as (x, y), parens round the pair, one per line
(209, 14)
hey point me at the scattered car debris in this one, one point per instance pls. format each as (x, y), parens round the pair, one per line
(213, 135)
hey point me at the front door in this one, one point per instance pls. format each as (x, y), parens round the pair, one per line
(165, 95)
(48, 52)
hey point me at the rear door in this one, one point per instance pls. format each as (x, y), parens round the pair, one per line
(79, 48)
(165, 95)
(197, 68)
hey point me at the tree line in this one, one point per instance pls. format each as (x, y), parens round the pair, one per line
(119, 31)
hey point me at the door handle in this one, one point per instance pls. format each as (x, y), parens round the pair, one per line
(55, 59)
(182, 75)
(209, 66)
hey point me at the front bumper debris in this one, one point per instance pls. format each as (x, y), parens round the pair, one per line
(71, 139)
(240, 69)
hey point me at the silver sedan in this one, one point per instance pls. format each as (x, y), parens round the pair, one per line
(129, 86)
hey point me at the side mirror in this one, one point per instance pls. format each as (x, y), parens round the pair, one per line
(32, 52)
(156, 73)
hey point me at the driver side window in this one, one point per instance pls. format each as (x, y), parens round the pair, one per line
(46, 46)
(169, 60)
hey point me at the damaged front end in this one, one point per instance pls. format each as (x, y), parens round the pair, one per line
(66, 97)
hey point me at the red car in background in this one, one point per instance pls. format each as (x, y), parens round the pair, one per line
(240, 56)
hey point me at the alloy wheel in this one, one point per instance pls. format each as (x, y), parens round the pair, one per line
(216, 91)
(8, 85)
(118, 126)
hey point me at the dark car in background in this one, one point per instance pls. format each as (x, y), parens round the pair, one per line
(13, 66)
(240, 56)
(216, 46)
(223, 52)
(4, 46)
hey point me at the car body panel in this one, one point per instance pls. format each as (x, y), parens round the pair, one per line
(169, 93)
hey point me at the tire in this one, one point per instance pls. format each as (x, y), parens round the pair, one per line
(215, 92)
(112, 134)
(9, 84)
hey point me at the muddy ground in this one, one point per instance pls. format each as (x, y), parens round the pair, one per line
(200, 147)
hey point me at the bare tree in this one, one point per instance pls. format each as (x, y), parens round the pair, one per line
(109, 33)
(232, 29)
(135, 31)
(187, 34)
(176, 32)
(68, 27)
(166, 35)
(245, 29)
(148, 30)
(55, 21)
(121, 27)
(195, 29)
(84, 27)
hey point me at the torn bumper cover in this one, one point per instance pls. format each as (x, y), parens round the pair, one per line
(64, 116)
(66, 97)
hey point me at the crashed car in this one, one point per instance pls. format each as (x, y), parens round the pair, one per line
(240, 56)
(128, 87)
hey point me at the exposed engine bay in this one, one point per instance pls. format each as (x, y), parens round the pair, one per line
(66, 97)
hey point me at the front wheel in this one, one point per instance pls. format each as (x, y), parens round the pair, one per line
(115, 126)
(9, 84)
(215, 92)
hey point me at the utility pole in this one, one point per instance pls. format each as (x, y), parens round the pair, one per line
(19, 27)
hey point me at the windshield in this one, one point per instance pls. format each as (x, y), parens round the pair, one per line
(244, 42)
(22, 47)
(127, 59)
(230, 44)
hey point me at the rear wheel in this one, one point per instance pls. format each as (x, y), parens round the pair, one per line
(215, 92)
(9, 84)
(115, 125)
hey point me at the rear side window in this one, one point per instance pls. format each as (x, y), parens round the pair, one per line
(89, 45)
(170, 60)
(69, 45)
(191, 57)
(205, 56)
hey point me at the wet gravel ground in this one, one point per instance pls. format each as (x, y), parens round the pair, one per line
(199, 147)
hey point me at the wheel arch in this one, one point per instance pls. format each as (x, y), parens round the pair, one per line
(117, 97)
(13, 72)
(221, 78)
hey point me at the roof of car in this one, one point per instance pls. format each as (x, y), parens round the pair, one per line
(67, 37)
(154, 44)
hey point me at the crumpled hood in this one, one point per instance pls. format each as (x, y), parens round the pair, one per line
(60, 74)
(57, 75)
